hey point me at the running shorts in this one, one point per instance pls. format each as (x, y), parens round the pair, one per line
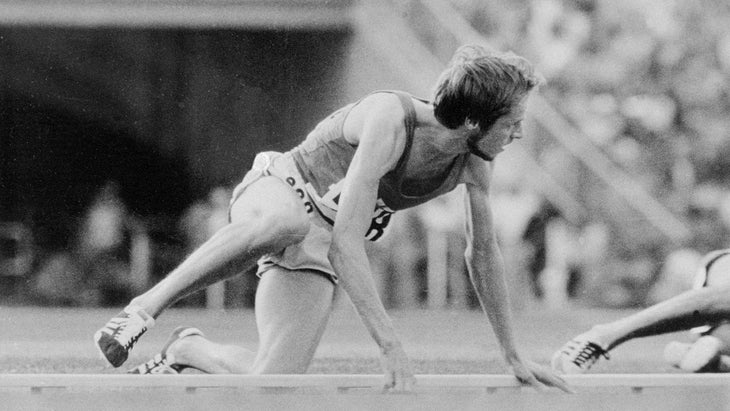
(311, 252)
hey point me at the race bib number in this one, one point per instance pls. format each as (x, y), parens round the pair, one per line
(380, 221)
(328, 203)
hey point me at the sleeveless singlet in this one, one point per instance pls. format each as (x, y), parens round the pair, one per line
(324, 158)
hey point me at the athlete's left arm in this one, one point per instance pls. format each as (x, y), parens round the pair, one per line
(486, 269)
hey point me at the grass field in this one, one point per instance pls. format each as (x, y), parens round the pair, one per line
(55, 340)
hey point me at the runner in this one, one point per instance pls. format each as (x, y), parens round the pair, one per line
(707, 308)
(305, 214)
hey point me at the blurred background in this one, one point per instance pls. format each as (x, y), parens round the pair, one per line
(124, 125)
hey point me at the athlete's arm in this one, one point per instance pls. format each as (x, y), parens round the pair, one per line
(486, 269)
(381, 139)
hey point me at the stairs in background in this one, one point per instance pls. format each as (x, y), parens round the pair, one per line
(420, 36)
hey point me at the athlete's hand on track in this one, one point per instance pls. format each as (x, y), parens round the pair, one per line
(537, 376)
(398, 373)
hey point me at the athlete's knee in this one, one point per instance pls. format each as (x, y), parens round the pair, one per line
(263, 234)
(286, 227)
(281, 218)
(266, 196)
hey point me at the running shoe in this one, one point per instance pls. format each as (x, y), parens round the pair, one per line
(577, 356)
(119, 335)
(164, 362)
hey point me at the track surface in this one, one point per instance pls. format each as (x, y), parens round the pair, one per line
(50, 341)
(453, 341)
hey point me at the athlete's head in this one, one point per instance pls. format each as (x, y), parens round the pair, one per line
(479, 86)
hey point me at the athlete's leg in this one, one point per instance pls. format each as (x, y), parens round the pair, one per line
(708, 353)
(689, 309)
(708, 305)
(267, 217)
(292, 309)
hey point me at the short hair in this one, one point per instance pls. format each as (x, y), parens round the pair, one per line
(482, 85)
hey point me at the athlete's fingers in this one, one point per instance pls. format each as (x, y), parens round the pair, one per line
(557, 382)
(526, 377)
(534, 382)
(549, 378)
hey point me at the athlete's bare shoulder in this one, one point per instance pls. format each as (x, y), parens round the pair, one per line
(381, 110)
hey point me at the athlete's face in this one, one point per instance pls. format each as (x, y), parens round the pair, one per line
(488, 143)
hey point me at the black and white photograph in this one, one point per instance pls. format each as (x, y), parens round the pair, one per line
(365, 205)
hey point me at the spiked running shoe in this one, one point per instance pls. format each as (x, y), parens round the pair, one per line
(119, 335)
(164, 362)
(577, 356)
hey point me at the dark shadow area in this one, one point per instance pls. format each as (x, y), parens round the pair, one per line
(53, 164)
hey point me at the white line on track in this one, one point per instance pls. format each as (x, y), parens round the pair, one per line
(348, 381)
(355, 392)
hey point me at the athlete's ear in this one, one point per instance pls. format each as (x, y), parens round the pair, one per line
(471, 124)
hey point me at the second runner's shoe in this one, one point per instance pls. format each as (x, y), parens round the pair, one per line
(164, 362)
(577, 356)
(119, 335)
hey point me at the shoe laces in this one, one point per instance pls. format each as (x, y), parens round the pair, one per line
(128, 329)
(157, 365)
(585, 353)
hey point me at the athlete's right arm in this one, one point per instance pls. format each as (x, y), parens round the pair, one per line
(378, 122)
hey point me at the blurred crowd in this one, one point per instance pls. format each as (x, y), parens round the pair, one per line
(646, 82)
(113, 254)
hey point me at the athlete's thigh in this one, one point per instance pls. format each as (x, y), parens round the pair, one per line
(268, 196)
(292, 309)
